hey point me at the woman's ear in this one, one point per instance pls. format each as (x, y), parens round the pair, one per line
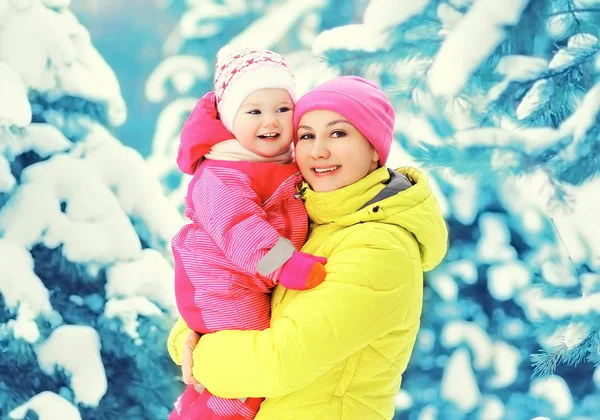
(375, 155)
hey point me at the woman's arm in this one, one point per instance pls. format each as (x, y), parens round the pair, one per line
(367, 294)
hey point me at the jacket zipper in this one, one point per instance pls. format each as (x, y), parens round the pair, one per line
(278, 188)
(286, 216)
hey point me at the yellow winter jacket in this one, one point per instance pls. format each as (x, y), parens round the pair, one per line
(338, 351)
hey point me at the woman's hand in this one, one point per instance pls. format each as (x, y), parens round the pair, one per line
(187, 360)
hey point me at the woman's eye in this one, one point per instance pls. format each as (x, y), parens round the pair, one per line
(306, 136)
(338, 133)
(284, 109)
(254, 112)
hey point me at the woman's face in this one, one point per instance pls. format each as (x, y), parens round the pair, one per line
(331, 152)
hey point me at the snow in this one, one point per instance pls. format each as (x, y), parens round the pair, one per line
(578, 41)
(580, 122)
(464, 270)
(464, 200)
(24, 327)
(386, 14)
(445, 286)
(128, 310)
(576, 333)
(182, 71)
(505, 280)
(533, 100)
(286, 14)
(76, 350)
(449, 16)
(579, 238)
(589, 282)
(43, 139)
(558, 25)
(18, 282)
(166, 137)
(506, 360)
(493, 408)
(462, 53)
(7, 180)
(494, 245)
(476, 338)
(561, 308)
(198, 21)
(556, 392)
(521, 68)
(354, 37)
(530, 140)
(429, 412)
(54, 55)
(93, 227)
(309, 70)
(48, 406)
(57, 3)
(149, 276)
(459, 384)
(14, 105)
(556, 274)
(403, 401)
(138, 191)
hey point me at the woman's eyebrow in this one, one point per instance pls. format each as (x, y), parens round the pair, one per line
(334, 122)
(306, 127)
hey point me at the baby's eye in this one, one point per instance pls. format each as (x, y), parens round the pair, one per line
(284, 109)
(254, 112)
(306, 136)
(338, 133)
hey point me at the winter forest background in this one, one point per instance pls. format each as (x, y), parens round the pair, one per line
(499, 101)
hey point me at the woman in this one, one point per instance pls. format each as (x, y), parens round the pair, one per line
(337, 351)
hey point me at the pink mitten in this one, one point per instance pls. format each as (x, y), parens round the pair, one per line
(303, 271)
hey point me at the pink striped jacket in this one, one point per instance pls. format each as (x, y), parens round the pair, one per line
(238, 212)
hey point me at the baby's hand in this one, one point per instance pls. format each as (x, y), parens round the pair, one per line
(303, 271)
(187, 358)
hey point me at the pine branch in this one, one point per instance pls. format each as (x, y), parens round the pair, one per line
(573, 11)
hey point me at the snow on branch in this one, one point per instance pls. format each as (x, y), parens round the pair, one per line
(286, 14)
(64, 201)
(76, 350)
(182, 71)
(137, 190)
(47, 406)
(60, 58)
(462, 52)
(18, 282)
(14, 105)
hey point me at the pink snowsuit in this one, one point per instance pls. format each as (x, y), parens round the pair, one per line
(238, 212)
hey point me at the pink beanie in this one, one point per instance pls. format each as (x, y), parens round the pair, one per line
(358, 100)
(241, 71)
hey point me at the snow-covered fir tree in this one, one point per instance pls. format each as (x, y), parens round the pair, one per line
(86, 295)
(499, 102)
(288, 27)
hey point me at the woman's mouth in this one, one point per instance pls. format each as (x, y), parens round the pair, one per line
(323, 171)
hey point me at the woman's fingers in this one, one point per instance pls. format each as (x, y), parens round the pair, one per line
(187, 359)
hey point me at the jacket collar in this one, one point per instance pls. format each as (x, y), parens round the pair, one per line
(327, 207)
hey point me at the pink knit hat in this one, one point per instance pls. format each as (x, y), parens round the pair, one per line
(358, 100)
(239, 72)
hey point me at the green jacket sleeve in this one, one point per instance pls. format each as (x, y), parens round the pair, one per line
(366, 294)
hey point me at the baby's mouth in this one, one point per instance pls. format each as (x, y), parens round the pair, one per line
(269, 136)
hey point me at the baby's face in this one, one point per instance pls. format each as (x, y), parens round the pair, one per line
(264, 122)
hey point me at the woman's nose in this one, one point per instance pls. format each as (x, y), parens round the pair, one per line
(319, 151)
